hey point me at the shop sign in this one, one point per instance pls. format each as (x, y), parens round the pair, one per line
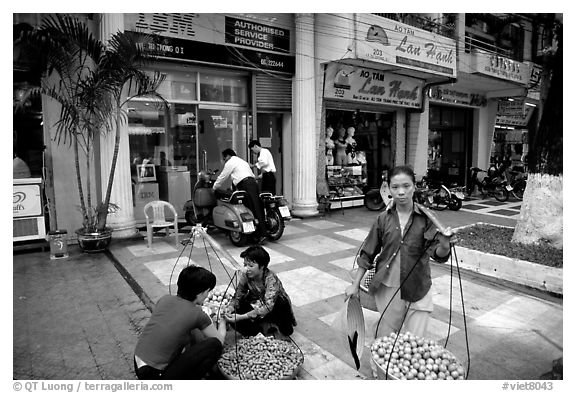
(215, 38)
(449, 95)
(520, 120)
(256, 35)
(349, 83)
(211, 28)
(500, 67)
(26, 200)
(186, 50)
(197, 27)
(535, 74)
(387, 41)
(511, 108)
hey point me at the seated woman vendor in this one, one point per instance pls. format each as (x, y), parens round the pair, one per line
(167, 348)
(260, 304)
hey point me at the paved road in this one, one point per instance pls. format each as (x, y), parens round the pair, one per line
(510, 333)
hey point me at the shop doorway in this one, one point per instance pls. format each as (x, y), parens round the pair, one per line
(269, 133)
(449, 147)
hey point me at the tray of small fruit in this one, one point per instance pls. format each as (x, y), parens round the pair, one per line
(217, 299)
(413, 357)
(260, 358)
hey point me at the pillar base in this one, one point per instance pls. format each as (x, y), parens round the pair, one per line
(124, 230)
(303, 211)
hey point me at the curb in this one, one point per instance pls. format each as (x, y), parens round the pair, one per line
(533, 275)
(138, 290)
(544, 278)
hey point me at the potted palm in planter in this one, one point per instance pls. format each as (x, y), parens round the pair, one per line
(92, 81)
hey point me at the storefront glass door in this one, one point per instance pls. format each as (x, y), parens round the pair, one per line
(270, 136)
(220, 129)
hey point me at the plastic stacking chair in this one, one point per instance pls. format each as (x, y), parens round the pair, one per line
(159, 219)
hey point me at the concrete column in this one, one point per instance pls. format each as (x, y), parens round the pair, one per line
(303, 133)
(122, 221)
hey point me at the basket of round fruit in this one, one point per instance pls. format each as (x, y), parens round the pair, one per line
(413, 358)
(262, 358)
(217, 299)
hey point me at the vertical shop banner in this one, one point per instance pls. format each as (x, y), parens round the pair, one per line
(387, 41)
(350, 83)
(256, 35)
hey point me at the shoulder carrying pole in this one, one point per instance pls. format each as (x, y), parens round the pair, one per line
(443, 230)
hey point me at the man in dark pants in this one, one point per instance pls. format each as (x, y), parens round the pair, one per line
(266, 166)
(243, 179)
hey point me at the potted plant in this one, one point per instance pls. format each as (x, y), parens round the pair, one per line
(92, 80)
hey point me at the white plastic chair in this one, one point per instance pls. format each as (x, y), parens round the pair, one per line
(159, 219)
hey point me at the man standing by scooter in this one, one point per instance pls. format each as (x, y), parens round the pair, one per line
(266, 166)
(243, 179)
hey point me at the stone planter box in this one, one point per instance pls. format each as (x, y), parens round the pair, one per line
(526, 273)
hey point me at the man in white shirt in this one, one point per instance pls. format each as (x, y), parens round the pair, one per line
(243, 179)
(266, 166)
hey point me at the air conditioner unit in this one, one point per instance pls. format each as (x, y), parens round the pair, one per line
(28, 229)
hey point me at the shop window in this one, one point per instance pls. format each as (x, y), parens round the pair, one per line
(219, 130)
(183, 86)
(177, 86)
(218, 88)
(27, 131)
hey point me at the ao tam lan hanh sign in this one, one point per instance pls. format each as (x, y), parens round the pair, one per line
(358, 84)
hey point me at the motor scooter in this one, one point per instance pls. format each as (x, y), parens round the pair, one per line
(275, 212)
(226, 213)
(435, 194)
(377, 199)
(491, 185)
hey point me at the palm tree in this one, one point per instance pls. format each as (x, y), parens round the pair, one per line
(92, 81)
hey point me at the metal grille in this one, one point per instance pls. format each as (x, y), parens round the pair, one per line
(25, 227)
(273, 92)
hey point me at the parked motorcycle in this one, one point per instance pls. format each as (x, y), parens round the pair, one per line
(436, 195)
(491, 185)
(516, 183)
(378, 198)
(227, 213)
(275, 212)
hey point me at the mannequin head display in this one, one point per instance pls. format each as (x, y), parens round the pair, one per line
(329, 140)
(350, 133)
(329, 132)
(341, 133)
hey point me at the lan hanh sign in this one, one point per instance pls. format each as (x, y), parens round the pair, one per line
(359, 84)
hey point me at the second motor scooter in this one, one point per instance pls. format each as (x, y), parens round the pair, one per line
(229, 213)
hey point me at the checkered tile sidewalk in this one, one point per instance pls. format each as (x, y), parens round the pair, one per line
(314, 258)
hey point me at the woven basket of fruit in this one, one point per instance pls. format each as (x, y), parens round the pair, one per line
(413, 358)
(261, 357)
